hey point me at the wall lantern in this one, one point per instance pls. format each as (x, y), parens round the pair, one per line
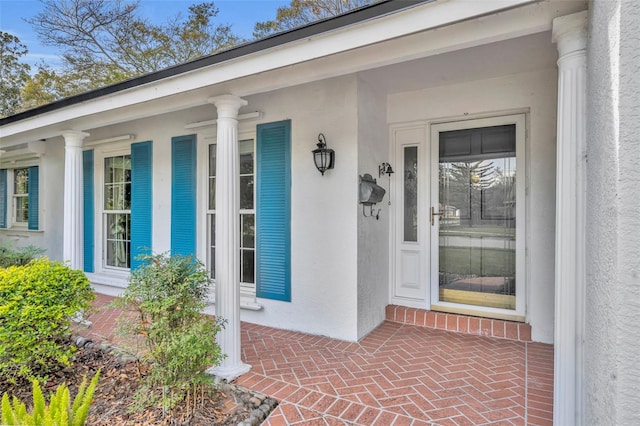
(370, 193)
(323, 157)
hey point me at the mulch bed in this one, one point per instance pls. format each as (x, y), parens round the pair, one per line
(120, 378)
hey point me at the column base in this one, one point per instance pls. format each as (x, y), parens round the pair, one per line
(229, 372)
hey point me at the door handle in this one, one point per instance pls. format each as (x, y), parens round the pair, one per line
(434, 214)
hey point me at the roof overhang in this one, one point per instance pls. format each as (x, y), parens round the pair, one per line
(419, 29)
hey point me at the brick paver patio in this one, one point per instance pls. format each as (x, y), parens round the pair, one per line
(399, 374)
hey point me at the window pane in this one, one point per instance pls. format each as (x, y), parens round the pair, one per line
(118, 239)
(246, 192)
(212, 245)
(247, 267)
(22, 209)
(117, 197)
(246, 163)
(248, 230)
(126, 164)
(212, 177)
(108, 197)
(212, 160)
(108, 170)
(21, 181)
(117, 188)
(212, 193)
(411, 193)
(126, 200)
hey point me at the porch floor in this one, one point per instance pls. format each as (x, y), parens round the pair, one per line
(399, 374)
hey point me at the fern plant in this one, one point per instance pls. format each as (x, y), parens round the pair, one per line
(57, 413)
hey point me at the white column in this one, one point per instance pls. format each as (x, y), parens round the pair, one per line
(228, 236)
(570, 35)
(72, 244)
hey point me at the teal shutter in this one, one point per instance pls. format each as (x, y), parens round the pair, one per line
(88, 209)
(3, 198)
(183, 195)
(273, 200)
(141, 201)
(34, 197)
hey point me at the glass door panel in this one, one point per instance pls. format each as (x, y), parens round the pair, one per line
(476, 214)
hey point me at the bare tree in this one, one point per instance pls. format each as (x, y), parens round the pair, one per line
(301, 12)
(106, 41)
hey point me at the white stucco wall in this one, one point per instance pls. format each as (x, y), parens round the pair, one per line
(323, 222)
(535, 93)
(51, 181)
(611, 333)
(373, 235)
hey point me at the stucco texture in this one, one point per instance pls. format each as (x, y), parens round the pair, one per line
(612, 336)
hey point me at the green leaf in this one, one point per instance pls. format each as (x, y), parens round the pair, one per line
(79, 415)
(38, 404)
(7, 417)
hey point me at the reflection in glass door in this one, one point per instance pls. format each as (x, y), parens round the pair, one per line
(475, 216)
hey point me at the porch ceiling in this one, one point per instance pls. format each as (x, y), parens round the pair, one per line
(513, 56)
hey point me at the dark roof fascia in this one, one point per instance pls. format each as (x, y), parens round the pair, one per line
(365, 13)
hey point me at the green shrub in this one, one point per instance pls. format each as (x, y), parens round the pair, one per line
(36, 303)
(59, 412)
(10, 256)
(167, 295)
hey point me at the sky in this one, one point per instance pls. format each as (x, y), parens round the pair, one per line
(240, 14)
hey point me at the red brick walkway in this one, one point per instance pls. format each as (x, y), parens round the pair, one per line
(399, 374)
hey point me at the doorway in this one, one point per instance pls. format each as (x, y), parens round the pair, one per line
(476, 216)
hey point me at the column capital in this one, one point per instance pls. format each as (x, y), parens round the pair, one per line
(74, 138)
(570, 32)
(227, 105)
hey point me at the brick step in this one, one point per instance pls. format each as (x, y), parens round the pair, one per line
(488, 327)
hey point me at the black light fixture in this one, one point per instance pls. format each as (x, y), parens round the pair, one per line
(323, 157)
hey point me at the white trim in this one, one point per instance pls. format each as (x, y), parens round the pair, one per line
(120, 138)
(210, 123)
(521, 274)
(99, 255)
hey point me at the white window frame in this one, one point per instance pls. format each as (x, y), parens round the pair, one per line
(12, 223)
(247, 290)
(15, 197)
(100, 222)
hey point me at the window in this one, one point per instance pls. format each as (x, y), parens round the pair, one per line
(247, 215)
(117, 207)
(117, 211)
(264, 218)
(19, 198)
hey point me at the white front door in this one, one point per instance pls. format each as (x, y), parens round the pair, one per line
(476, 216)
